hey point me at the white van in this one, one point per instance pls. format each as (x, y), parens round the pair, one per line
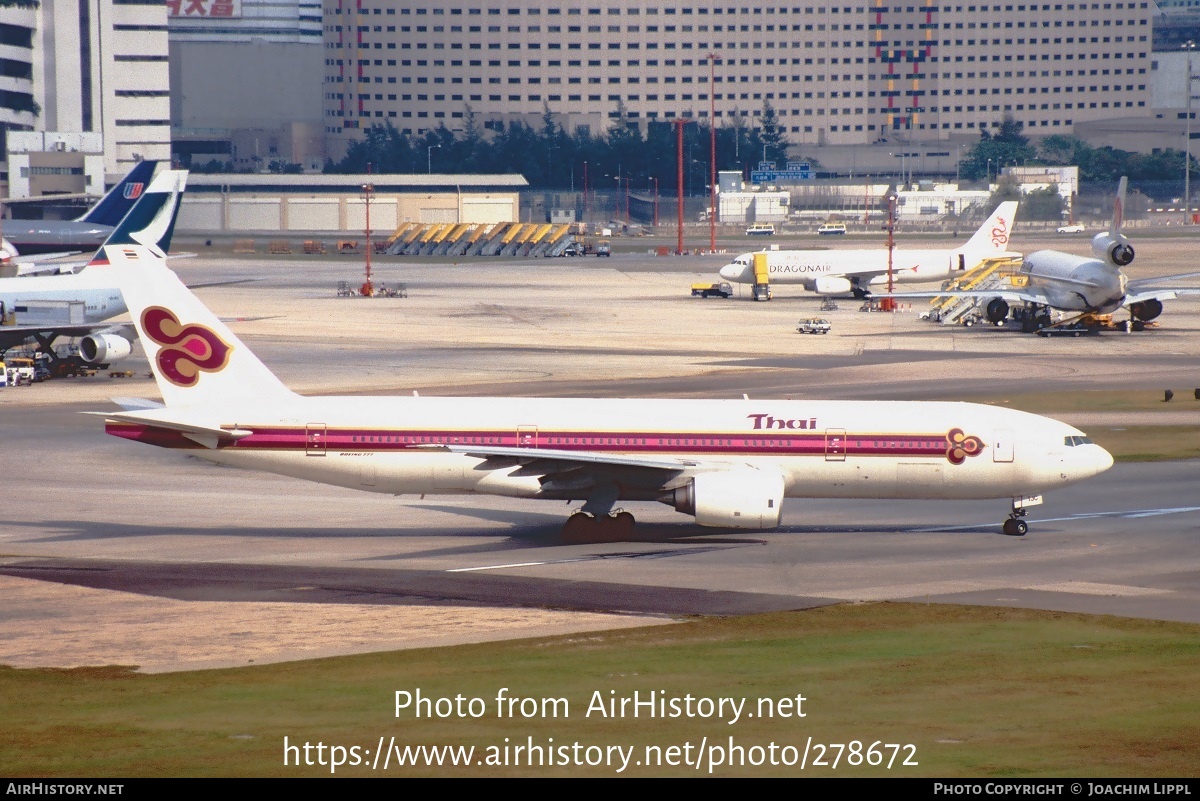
(760, 229)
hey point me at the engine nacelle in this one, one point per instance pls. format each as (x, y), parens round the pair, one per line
(997, 310)
(1147, 310)
(833, 285)
(1116, 249)
(732, 499)
(104, 348)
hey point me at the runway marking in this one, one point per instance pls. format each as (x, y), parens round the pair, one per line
(1093, 588)
(662, 554)
(1132, 514)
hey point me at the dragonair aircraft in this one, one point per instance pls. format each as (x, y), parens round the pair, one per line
(1053, 280)
(30, 237)
(728, 463)
(840, 272)
(45, 307)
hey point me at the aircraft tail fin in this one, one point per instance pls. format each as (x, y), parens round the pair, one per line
(150, 223)
(1118, 218)
(992, 238)
(117, 202)
(197, 361)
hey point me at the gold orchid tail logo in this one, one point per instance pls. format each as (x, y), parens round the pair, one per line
(187, 350)
(960, 445)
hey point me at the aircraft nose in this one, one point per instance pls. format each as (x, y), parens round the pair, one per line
(731, 272)
(1100, 461)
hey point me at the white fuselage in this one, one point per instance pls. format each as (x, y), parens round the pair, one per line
(822, 449)
(98, 293)
(861, 267)
(1075, 283)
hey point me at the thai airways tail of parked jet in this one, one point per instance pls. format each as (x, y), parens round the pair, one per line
(838, 272)
(728, 463)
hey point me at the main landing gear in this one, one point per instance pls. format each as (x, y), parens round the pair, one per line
(582, 527)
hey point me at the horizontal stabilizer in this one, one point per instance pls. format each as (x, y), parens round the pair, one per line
(209, 436)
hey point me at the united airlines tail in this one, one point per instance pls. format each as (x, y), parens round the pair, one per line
(993, 236)
(197, 361)
(117, 202)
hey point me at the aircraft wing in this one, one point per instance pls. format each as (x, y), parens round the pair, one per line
(570, 459)
(13, 335)
(1012, 294)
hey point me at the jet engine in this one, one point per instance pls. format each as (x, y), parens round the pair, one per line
(1116, 249)
(1146, 310)
(104, 348)
(735, 499)
(997, 310)
(833, 285)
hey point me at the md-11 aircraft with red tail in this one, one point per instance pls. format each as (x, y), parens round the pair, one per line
(728, 463)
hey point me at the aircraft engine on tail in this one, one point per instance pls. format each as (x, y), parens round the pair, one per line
(104, 348)
(736, 499)
(1115, 249)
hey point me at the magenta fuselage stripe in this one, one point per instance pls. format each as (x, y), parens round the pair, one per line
(375, 440)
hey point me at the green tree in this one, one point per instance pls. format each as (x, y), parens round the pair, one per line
(1008, 146)
(1042, 204)
(773, 136)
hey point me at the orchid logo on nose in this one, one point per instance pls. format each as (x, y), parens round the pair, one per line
(187, 350)
(960, 445)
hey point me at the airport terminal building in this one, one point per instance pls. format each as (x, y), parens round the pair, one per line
(841, 73)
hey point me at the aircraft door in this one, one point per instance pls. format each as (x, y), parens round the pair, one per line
(835, 444)
(314, 439)
(1002, 445)
(527, 436)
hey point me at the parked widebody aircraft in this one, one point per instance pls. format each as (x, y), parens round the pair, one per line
(31, 237)
(728, 463)
(45, 307)
(840, 272)
(1053, 280)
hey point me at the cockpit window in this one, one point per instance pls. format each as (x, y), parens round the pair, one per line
(1071, 442)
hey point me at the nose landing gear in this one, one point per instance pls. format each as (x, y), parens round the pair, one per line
(1015, 525)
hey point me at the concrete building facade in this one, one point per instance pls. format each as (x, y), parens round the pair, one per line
(89, 66)
(246, 78)
(844, 73)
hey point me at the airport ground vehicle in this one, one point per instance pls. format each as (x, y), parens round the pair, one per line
(719, 289)
(1074, 228)
(814, 325)
(603, 249)
(573, 249)
(760, 229)
(832, 229)
(20, 370)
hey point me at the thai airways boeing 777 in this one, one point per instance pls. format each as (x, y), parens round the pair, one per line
(728, 463)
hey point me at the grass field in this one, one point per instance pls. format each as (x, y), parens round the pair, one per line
(977, 692)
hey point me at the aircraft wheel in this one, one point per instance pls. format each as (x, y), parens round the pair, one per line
(1015, 527)
(622, 526)
(579, 528)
